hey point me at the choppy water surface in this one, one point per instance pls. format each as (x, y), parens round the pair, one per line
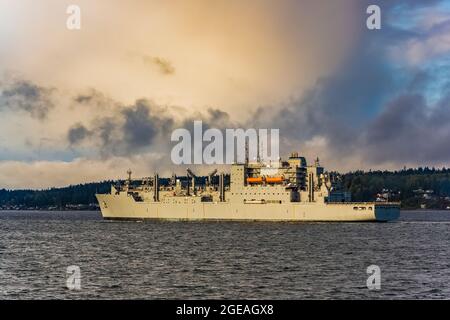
(159, 260)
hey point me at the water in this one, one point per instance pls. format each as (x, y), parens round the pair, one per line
(161, 260)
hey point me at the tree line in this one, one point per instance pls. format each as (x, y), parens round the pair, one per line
(363, 185)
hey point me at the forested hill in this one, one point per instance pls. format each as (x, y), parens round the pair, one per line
(415, 188)
(73, 197)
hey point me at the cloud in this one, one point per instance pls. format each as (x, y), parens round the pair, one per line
(26, 96)
(218, 118)
(139, 128)
(419, 31)
(94, 98)
(77, 134)
(142, 123)
(408, 130)
(211, 118)
(430, 44)
(128, 129)
(164, 66)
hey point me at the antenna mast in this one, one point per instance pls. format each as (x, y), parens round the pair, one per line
(258, 158)
(246, 151)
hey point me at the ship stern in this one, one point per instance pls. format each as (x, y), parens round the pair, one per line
(387, 212)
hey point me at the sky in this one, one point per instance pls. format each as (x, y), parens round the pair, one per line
(86, 105)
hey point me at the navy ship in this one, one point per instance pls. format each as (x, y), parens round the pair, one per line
(288, 190)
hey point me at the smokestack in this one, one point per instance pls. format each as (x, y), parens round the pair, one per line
(258, 158)
(156, 187)
(222, 187)
(311, 187)
(246, 152)
(193, 185)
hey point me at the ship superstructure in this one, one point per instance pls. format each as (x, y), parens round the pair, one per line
(288, 190)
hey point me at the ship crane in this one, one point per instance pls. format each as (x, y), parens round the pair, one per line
(210, 177)
(190, 173)
(191, 176)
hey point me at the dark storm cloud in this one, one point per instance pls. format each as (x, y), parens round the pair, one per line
(130, 129)
(77, 134)
(105, 128)
(409, 129)
(143, 122)
(138, 128)
(337, 107)
(27, 96)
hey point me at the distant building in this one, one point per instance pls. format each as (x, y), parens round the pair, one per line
(387, 195)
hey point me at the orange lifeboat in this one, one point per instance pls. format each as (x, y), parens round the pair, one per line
(255, 180)
(274, 179)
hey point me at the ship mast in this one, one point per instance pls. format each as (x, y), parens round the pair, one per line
(128, 182)
(246, 152)
(258, 158)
